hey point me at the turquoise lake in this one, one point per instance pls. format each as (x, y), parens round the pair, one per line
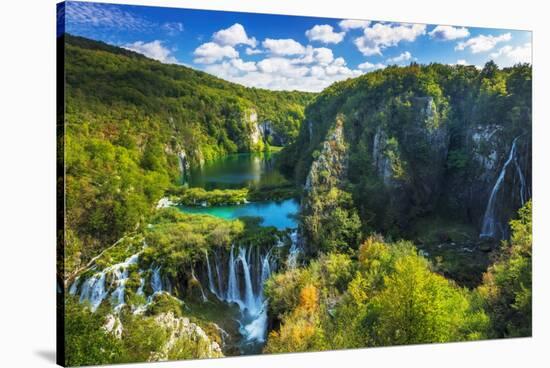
(279, 214)
(244, 171)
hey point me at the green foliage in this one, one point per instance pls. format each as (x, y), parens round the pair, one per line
(216, 197)
(332, 223)
(388, 296)
(128, 116)
(507, 285)
(407, 130)
(86, 343)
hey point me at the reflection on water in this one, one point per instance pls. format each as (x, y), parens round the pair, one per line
(236, 171)
(239, 171)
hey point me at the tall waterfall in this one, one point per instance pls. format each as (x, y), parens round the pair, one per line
(491, 225)
(249, 268)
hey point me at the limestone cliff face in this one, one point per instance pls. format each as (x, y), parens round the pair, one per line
(330, 165)
(182, 331)
(325, 201)
(255, 133)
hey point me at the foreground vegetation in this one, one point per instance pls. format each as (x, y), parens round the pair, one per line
(388, 294)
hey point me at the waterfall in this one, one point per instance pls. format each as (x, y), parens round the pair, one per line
(491, 223)
(210, 279)
(233, 292)
(249, 300)
(294, 251)
(156, 280)
(95, 291)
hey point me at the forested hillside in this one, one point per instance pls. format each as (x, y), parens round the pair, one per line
(133, 124)
(410, 149)
(405, 216)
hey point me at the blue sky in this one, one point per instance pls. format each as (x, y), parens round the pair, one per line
(288, 52)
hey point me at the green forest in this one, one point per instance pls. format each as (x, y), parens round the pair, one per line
(403, 230)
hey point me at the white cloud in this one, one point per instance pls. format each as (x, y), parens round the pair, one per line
(461, 62)
(482, 43)
(449, 33)
(314, 71)
(210, 52)
(233, 36)
(172, 28)
(402, 57)
(251, 51)
(509, 55)
(348, 24)
(154, 50)
(325, 33)
(282, 67)
(320, 55)
(381, 36)
(283, 47)
(370, 66)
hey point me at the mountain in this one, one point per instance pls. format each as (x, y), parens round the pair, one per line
(132, 125)
(402, 150)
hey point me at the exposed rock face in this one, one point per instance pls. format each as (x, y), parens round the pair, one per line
(323, 194)
(182, 329)
(255, 133)
(270, 134)
(332, 162)
(113, 325)
(380, 160)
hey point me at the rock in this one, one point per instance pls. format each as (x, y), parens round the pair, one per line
(193, 335)
(113, 325)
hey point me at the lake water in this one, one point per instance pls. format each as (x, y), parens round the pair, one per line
(244, 171)
(279, 214)
(237, 171)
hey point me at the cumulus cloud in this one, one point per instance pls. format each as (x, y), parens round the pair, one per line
(404, 56)
(324, 33)
(482, 43)
(381, 36)
(319, 55)
(313, 71)
(461, 62)
(366, 66)
(210, 52)
(154, 50)
(251, 51)
(233, 36)
(509, 55)
(348, 24)
(447, 33)
(283, 47)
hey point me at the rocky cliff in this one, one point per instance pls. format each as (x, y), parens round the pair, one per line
(422, 141)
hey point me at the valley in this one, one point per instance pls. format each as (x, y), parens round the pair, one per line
(392, 208)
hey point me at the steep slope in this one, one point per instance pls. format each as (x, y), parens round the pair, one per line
(133, 124)
(432, 141)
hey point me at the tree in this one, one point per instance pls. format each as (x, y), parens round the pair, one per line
(507, 285)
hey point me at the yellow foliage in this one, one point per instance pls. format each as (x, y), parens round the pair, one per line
(309, 298)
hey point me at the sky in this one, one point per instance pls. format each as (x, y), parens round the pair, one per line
(282, 52)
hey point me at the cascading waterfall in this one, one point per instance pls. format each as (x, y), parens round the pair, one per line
(250, 270)
(294, 251)
(233, 292)
(95, 291)
(491, 223)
